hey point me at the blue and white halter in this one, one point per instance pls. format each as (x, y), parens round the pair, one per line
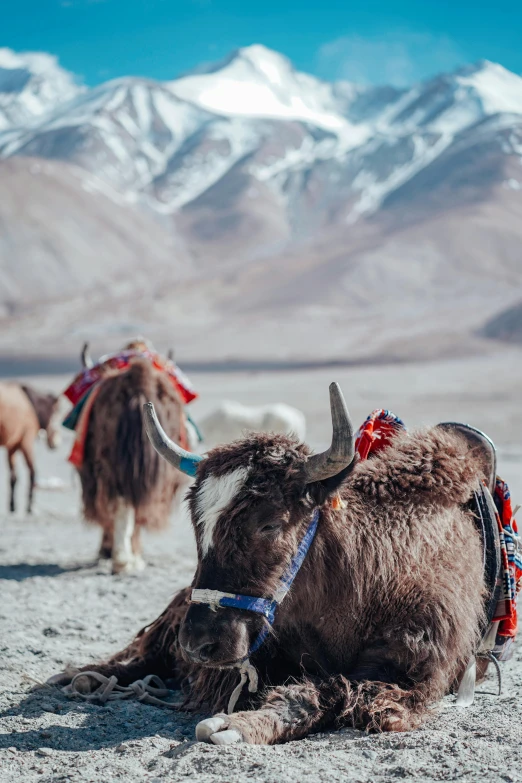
(265, 606)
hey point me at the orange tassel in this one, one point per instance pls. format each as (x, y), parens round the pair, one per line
(337, 503)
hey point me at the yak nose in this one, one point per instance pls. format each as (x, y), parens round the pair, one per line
(200, 653)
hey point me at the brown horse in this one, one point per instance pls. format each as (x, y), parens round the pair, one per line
(23, 413)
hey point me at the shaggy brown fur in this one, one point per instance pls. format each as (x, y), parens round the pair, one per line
(120, 465)
(383, 615)
(23, 413)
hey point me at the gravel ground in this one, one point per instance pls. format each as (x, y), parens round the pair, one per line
(57, 607)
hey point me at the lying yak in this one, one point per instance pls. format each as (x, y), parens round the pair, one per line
(381, 564)
(24, 412)
(125, 484)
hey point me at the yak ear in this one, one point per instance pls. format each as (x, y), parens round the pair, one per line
(322, 490)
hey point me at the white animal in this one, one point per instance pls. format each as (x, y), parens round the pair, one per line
(232, 420)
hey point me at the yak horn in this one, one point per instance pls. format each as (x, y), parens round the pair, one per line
(85, 356)
(342, 451)
(181, 459)
(170, 354)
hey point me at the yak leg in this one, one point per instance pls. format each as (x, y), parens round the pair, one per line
(290, 712)
(123, 558)
(28, 452)
(107, 544)
(12, 478)
(136, 547)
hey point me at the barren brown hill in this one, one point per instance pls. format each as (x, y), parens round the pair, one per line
(505, 326)
(63, 232)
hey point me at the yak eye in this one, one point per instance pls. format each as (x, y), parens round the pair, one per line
(270, 527)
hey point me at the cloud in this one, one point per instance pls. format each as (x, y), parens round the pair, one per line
(399, 57)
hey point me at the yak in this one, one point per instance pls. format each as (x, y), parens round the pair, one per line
(125, 485)
(381, 564)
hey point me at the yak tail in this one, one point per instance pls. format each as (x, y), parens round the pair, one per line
(120, 463)
(137, 465)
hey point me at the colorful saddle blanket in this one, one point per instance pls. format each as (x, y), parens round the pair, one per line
(376, 433)
(120, 362)
(82, 392)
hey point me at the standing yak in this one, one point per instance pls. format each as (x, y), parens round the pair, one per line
(125, 484)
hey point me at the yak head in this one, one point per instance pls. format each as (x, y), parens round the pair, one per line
(251, 504)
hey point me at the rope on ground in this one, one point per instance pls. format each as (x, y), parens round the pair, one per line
(150, 690)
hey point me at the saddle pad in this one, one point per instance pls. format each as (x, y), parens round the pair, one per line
(120, 362)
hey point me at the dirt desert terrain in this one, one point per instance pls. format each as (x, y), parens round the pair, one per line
(59, 606)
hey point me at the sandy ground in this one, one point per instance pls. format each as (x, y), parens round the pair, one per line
(57, 606)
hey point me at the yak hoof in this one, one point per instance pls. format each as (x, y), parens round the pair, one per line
(206, 728)
(118, 567)
(132, 566)
(214, 730)
(228, 737)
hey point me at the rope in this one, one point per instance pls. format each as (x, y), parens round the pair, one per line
(210, 597)
(150, 690)
(248, 672)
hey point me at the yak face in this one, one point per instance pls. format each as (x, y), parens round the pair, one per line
(251, 504)
(250, 507)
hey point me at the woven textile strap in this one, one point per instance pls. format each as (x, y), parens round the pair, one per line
(215, 599)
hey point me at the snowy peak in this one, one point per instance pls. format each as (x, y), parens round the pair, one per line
(256, 58)
(451, 103)
(31, 85)
(499, 90)
(125, 130)
(272, 67)
(257, 82)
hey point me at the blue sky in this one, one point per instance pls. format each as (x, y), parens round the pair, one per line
(377, 41)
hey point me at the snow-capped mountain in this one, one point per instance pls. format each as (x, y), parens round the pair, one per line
(125, 131)
(31, 85)
(253, 116)
(329, 189)
(257, 82)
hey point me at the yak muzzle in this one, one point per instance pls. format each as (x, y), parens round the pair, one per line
(214, 638)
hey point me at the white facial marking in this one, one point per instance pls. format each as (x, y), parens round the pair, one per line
(214, 496)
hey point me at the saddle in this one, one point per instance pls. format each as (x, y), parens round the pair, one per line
(502, 561)
(502, 555)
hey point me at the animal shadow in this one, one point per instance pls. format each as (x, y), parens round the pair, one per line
(105, 726)
(18, 572)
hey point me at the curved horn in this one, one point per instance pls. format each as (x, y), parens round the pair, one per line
(85, 356)
(181, 459)
(342, 451)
